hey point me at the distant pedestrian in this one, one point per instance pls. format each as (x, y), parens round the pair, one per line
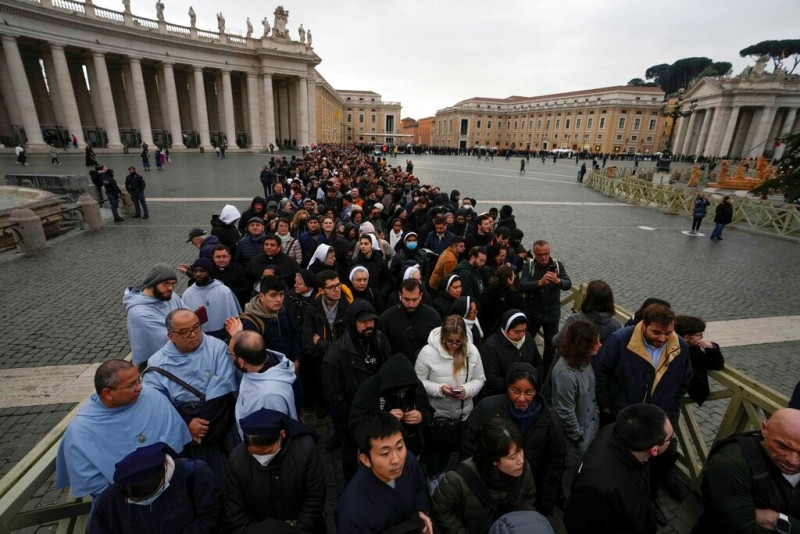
(701, 204)
(91, 158)
(112, 191)
(522, 166)
(134, 184)
(22, 158)
(54, 156)
(145, 157)
(222, 148)
(159, 161)
(74, 142)
(543, 158)
(555, 157)
(582, 173)
(605, 159)
(723, 216)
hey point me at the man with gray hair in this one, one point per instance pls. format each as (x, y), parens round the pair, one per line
(147, 305)
(119, 417)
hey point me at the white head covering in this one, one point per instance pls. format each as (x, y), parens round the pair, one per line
(355, 269)
(319, 254)
(366, 228)
(375, 244)
(410, 270)
(229, 214)
(452, 278)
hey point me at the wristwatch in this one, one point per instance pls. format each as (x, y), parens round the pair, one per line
(782, 524)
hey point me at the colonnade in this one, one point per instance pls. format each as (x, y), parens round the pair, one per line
(51, 91)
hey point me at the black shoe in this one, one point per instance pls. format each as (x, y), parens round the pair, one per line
(118, 219)
(658, 514)
(146, 217)
(137, 216)
(334, 443)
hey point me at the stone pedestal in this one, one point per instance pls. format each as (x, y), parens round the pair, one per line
(30, 229)
(91, 212)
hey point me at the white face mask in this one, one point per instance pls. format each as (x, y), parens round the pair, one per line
(265, 459)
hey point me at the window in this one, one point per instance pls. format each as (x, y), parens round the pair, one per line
(621, 123)
(589, 123)
(576, 136)
(539, 124)
(523, 125)
(649, 139)
(558, 124)
(652, 125)
(578, 124)
(488, 125)
(619, 137)
(373, 119)
(464, 126)
(599, 137)
(548, 124)
(479, 124)
(634, 138)
(361, 118)
(349, 117)
(637, 122)
(508, 125)
(586, 137)
(566, 124)
(602, 123)
(515, 125)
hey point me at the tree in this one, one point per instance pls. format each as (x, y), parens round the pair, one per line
(776, 50)
(670, 78)
(787, 177)
(636, 82)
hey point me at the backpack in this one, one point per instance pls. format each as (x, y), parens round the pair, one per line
(492, 508)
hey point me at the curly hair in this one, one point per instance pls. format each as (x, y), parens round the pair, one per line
(577, 343)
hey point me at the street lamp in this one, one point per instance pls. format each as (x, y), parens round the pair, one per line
(675, 113)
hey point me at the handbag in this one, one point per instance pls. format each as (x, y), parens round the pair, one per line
(447, 433)
(217, 411)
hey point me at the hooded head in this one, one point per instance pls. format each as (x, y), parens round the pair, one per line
(398, 372)
(229, 214)
(361, 311)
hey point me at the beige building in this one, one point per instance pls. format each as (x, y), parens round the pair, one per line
(424, 131)
(610, 119)
(115, 79)
(740, 116)
(368, 119)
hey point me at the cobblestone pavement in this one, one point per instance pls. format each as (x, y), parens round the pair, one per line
(64, 306)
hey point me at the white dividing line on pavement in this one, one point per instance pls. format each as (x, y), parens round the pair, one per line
(64, 383)
(758, 331)
(521, 202)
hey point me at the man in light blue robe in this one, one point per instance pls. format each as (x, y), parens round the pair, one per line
(203, 363)
(216, 298)
(147, 305)
(120, 417)
(268, 380)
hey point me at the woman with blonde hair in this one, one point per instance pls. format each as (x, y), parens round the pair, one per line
(299, 223)
(451, 371)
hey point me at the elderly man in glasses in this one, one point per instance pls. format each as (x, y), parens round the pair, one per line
(195, 373)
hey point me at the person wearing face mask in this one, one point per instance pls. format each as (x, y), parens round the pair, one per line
(409, 251)
(510, 344)
(155, 491)
(275, 482)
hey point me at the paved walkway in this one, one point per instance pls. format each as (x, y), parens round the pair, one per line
(62, 310)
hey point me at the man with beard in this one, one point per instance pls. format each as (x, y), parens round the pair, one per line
(273, 261)
(447, 261)
(258, 208)
(200, 362)
(216, 300)
(355, 356)
(483, 233)
(122, 415)
(147, 305)
(408, 324)
(648, 363)
(231, 274)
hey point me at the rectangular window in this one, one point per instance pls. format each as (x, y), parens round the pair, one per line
(586, 137)
(566, 124)
(577, 136)
(464, 126)
(488, 125)
(652, 125)
(599, 137)
(636, 123)
(361, 118)
(547, 127)
(602, 123)
(621, 123)
(479, 124)
(515, 125)
(558, 124)
(634, 138)
(539, 124)
(649, 139)
(349, 117)
(508, 125)
(523, 125)
(578, 124)
(619, 137)
(589, 123)
(373, 119)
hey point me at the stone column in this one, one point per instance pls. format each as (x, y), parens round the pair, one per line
(687, 142)
(142, 119)
(761, 139)
(717, 121)
(174, 116)
(9, 97)
(791, 115)
(269, 110)
(64, 83)
(312, 111)
(227, 102)
(255, 116)
(699, 149)
(22, 90)
(201, 111)
(725, 147)
(52, 88)
(109, 118)
(680, 130)
(302, 105)
(283, 112)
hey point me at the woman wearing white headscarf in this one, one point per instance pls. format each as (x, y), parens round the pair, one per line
(323, 258)
(510, 344)
(358, 282)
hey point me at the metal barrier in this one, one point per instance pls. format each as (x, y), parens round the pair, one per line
(750, 403)
(748, 214)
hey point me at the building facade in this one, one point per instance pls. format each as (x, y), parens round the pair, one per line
(369, 119)
(741, 116)
(609, 120)
(330, 114)
(116, 79)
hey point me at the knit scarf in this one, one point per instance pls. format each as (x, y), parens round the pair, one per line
(524, 419)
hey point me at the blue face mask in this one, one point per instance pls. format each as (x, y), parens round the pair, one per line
(411, 245)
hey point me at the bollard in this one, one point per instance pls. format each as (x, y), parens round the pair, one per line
(126, 204)
(91, 212)
(30, 229)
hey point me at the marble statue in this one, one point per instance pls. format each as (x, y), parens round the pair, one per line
(265, 22)
(309, 37)
(192, 16)
(279, 26)
(249, 28)
(159, 10)
(220, 22)
(127, 5)
(302, 33)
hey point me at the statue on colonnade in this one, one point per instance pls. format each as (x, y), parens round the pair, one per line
(279, 26)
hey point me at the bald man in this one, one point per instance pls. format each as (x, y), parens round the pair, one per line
(750, 484)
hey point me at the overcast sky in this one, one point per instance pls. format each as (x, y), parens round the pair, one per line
(431, 54)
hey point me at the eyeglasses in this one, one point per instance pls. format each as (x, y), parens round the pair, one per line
(528, 392)
(453, 343)
(333, 288)
(188, 332)
(132, 385)
(672, 439)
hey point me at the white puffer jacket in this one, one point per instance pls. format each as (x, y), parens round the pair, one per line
(434, 368)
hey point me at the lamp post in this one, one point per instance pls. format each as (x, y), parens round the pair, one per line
(675, 113)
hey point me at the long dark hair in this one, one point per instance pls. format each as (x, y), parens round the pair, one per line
(493, 442)
(599, 298)
(577, 343)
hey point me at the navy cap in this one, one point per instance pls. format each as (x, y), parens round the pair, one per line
(143, 464)
(203, 263)
(265, 425)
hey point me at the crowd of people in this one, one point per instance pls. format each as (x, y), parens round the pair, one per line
(407, 317)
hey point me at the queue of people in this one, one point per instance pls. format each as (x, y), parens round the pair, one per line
(448, 418)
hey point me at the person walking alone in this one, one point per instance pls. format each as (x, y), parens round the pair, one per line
(145, 157)
(134, 184)
(522, 166)
(723, 216)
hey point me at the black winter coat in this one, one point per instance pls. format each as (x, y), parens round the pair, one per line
(724, 213)
(611, 492)
(543, 304)
(496, 301)
(498, 353)
(408, 333)
(226, 233)
(316, 322)
(235, 277)
(292, 487)
(281, 264)
(543, 442)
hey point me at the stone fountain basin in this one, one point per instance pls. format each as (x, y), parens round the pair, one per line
(43, 203)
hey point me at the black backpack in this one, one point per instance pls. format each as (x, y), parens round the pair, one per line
(492, 508)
